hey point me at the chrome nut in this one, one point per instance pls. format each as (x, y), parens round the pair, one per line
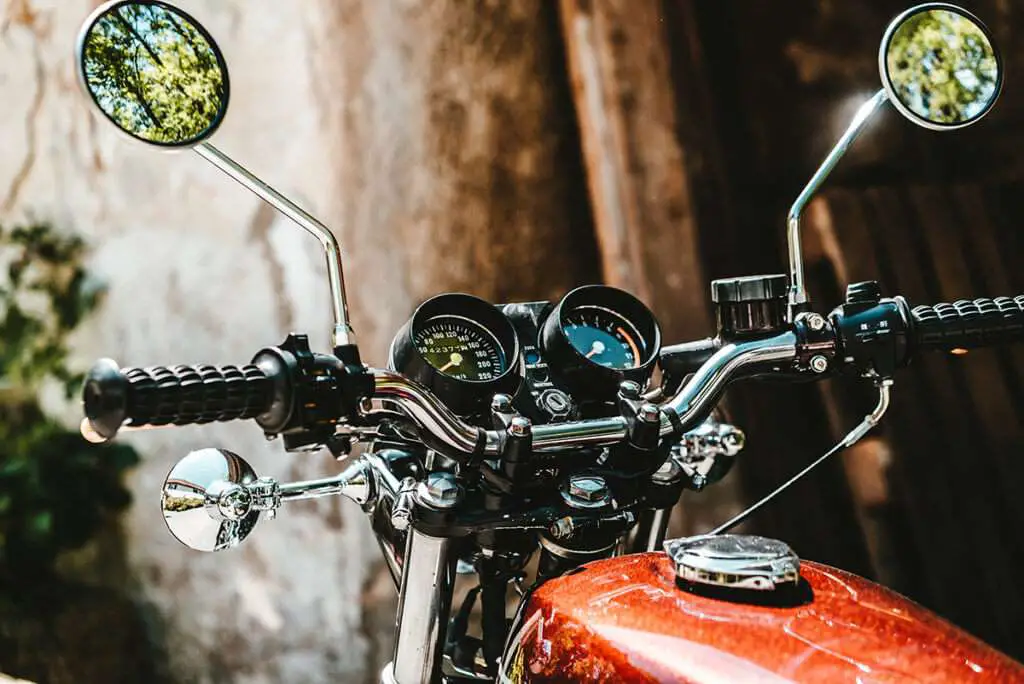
(439, 490)
(819, 364)
(815, 322)
(586, 491)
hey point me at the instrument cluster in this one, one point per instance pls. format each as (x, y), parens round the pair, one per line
(559, 361)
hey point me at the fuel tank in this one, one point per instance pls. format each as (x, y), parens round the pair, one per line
(626, 620)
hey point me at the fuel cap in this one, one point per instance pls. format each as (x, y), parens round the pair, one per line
(734, 561)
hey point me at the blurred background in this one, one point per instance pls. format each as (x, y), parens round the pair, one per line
(512, 149)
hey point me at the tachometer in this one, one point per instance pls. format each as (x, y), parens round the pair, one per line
(598, 336)
(603, 337)
(462, 348)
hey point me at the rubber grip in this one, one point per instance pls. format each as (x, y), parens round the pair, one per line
(178, 395)
(967, 324)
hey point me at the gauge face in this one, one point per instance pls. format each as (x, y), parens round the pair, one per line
(603, 337)
(460, 348)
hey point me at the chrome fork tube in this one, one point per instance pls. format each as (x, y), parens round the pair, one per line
(424, 602)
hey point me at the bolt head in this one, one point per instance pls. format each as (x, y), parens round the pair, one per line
(650, 413)
(440, 490)
(629, 389)
(589, 488)
(733, 441)
(234, 501)
(501, 403)
(400, 519)
(819, 364)
(519, 427)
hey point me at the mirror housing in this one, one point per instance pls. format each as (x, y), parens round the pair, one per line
(954, 37)
(939, 66)
(154, 72)
(207, 500)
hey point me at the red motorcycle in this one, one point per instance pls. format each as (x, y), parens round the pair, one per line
(526, 445)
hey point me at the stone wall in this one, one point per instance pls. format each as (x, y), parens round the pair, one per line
(198, 270)
(437, 141)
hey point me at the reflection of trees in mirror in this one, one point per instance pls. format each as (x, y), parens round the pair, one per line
(153, 73)
(179, 503)
(942, 67)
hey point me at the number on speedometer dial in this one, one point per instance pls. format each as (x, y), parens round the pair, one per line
(460, 348)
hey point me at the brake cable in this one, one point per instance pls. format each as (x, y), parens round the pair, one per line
(870, 421)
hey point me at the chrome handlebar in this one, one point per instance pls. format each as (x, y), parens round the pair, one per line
(685, 410)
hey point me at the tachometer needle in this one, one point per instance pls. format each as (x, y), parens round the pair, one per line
(595, 349)
(456, 361)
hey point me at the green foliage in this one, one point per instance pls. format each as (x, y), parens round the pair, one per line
(55, 488)
(154, 73)
(45, 296)
(942, 67)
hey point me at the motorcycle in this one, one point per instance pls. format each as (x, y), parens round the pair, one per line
(531, 440)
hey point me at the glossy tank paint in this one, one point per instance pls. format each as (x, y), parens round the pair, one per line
(626, 620)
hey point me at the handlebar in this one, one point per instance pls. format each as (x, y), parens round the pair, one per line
(299, 388)
(185, 396)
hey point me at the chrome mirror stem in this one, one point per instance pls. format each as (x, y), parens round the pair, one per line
(343, 333)
(265, 495)
(355, 483)
(797, 284)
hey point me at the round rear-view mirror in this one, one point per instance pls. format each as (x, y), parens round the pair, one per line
(940, 66)
(154, 72)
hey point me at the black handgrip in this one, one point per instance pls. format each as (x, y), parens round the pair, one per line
(178, 395)
(966, 324)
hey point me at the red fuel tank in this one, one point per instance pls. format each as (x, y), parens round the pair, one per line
(625, 620)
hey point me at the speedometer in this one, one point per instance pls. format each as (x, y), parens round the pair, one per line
(597, 337)
(462, 348)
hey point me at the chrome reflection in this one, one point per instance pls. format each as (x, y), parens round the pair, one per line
(206, 500)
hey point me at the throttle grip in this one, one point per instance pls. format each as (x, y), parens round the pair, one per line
(967, 324)
(178, 395)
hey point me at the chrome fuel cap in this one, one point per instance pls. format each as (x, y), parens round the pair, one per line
(734, 561)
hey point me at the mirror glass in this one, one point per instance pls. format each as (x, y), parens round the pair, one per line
(206, 503)
(154, 72)
(940, 66)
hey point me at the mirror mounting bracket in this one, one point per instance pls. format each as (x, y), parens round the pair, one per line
(343, 336)
(797, 285)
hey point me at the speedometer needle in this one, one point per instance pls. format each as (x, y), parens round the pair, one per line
(595, 349)
(456, 360)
